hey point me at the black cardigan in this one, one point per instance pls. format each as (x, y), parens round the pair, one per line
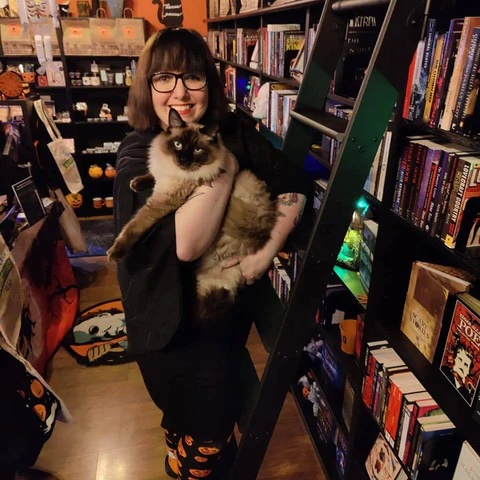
(155, 285)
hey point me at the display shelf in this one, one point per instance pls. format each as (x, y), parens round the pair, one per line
(466, 141)
(106, 122)
(351, 279)
(325, 453)
(452, 403)
(295, 5)
(321, 157)
(98, 87)
(450, 255)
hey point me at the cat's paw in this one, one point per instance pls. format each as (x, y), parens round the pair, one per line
(116, 252)
(134, 185)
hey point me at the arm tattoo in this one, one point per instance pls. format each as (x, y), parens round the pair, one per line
(288, 199)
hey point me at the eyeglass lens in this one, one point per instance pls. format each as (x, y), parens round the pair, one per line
(166, 82)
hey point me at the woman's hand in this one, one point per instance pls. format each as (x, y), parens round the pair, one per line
(252, 266)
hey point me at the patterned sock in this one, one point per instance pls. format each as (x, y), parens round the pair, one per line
(201, 459)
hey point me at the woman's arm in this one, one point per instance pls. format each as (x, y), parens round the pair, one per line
(290, 207)
(198, 220)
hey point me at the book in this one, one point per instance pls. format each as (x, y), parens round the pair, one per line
(428, 292)
(460, 362)
(468, 465)
(382, 464)
(437, 450)
(361, 37)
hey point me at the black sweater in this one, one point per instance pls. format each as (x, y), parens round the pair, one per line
(155, 285)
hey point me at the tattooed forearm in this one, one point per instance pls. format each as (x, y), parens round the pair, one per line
(287, 199)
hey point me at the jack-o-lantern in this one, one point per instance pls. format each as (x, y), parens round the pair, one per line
(37, 388)
(75, 200)
(95, 171)
(41, 412)
(208, 450)
(110, 171)
(200, 473)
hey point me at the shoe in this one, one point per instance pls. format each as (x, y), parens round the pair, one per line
(168, 469)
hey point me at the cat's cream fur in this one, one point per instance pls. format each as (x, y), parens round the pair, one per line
(249, 218)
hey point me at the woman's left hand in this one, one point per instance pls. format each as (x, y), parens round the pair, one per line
(252, 266)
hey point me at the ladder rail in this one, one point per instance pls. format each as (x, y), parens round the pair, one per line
(380, 90)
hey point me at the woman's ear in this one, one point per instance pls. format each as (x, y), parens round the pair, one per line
(210, 130)
(174, 119)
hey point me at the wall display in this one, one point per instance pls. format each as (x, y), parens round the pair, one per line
(170, 13)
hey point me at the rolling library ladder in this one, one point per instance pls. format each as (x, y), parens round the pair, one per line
(384, 81)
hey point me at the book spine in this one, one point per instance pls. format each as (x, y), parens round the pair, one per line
(435, 198)
(462, 93)
(454, 220)
(429, 192)
(432, 78)
(416, 182)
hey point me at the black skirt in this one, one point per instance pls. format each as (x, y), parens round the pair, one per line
(194, 380)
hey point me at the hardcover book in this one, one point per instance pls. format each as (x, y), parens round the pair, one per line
(468, 465)
(461, 357)
(382, 464)
(428, 292)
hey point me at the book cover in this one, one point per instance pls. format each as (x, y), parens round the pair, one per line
(461, 356)
(428, 291)
(382, 464)
(468, 465)
(361, 36)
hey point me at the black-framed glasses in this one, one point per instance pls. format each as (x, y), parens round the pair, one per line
(164, 82)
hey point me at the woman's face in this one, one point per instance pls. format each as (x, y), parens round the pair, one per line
(190, 104)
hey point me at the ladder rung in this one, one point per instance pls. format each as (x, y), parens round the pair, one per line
(343, 5)
(324, 122)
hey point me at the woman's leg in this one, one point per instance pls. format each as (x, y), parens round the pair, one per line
(210, 459)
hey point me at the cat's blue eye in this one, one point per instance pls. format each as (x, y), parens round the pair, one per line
(177, 145)
(197, 151)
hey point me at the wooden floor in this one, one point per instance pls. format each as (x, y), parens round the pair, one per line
(116, 432)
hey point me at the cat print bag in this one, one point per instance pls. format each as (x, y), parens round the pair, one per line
(58, 148)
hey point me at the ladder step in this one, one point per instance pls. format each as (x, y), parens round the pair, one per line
(249, 384)
(324, 122)
(344, 5)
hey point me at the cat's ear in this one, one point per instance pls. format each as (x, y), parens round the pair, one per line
(174, 119)
(210, 130)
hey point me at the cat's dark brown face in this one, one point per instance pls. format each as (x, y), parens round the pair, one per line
(191, 147)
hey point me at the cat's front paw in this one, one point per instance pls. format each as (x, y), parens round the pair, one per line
(117, 251)
(135, 185)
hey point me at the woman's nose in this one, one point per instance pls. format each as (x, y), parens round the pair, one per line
(180, 91)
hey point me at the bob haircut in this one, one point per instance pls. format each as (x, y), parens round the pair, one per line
(173, 49)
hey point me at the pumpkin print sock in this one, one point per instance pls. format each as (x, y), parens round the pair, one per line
(199, 459)
(171, 465)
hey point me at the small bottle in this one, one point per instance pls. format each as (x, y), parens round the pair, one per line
(128, 76)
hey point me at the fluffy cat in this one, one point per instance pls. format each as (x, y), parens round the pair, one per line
(180, 159)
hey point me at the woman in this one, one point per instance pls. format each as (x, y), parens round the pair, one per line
(190, 371)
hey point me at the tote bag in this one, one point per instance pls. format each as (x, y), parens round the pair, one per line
(59, 150)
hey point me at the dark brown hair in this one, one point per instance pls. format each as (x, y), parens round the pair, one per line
(173, 49)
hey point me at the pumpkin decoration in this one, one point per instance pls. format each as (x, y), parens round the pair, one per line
(41, 411)
(110, 171)
(37, 388)
(200, 473)
(208, 450)
(75, 200)
(95, 171)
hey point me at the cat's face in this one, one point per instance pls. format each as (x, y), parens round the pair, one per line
(191, 146)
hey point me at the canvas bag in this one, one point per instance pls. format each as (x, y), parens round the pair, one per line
(104, 37)
(63, 158)
(70, 226)
(130, 34)
(76, 36)
(14, 42)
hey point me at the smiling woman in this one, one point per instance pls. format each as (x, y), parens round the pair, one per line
(189, 362)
